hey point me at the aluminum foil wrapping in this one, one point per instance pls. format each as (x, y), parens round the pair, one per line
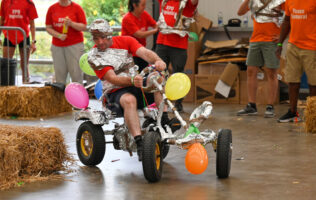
(119, 59)
(125, 139)
(254, 5)
(96, 117)
(201, 113)
(100, 25)
(204, 138)
(179, 28)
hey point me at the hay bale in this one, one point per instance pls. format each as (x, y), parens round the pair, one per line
(32, 102)
(28, 154)
(310, 115)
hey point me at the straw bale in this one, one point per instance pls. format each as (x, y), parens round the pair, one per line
(310, 115)
(32, 102)
(29, 154)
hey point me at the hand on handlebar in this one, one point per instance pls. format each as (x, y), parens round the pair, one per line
(138, 81)
(160, 65)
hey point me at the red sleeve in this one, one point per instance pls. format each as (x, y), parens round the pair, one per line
(129, 25)
(81, 15)
(49, 20)
(100, 73)
(150, 20)
(32, 13)
(133, 44)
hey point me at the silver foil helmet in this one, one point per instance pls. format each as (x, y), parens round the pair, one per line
(102, 26)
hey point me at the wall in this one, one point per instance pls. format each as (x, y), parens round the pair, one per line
(229, 8)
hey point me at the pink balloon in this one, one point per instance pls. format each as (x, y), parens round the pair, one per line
(77, 95)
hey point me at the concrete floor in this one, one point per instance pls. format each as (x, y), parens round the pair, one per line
(270, 161)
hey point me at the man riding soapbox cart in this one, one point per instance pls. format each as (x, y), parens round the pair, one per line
(156, 139)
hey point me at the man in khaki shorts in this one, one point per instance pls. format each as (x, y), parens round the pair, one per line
(266, 29)
(300, 22)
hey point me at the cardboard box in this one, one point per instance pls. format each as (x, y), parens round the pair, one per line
(262, 90)
(205, 90)
(205, 68)
(200, 23)
(190, 96)
(193, 52)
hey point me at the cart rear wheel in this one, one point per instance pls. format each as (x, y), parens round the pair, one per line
(90, 143)
(152, 157)
(224, 153)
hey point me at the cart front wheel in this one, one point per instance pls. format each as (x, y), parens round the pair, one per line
(224, 153)
(90, 144)
(152, 157)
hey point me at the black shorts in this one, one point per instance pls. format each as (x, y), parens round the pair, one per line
(113, 99)
(7, 42)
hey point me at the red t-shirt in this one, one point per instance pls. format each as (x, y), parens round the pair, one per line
(303, 23)
(17, 13)
(132, 24)
(55, 17)
(120, 42)
(171, 8)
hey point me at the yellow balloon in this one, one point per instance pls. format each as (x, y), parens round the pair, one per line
(178, 85)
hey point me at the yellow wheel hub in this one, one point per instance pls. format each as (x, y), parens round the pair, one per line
(86, 143)
(157, 155)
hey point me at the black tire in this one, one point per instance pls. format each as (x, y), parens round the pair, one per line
(152, 159)
(90, 143)
(223, 153)
(165, 150)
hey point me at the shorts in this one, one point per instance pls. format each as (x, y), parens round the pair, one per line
(263, 54)
(297, 61)
(113, 99)
(6, 42)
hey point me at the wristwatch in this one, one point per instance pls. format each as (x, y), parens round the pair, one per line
(33, 41)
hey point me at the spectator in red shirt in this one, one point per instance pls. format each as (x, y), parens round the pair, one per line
(18, 13)
(172, 41)
(65, 21)
(135, 23)
(109, 59)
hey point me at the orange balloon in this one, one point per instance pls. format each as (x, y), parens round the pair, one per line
(196, 160)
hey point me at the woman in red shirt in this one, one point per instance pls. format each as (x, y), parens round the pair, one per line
(18, 13)
(65, 21)
(135, 23)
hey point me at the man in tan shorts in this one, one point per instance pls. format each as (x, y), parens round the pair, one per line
(300, 22)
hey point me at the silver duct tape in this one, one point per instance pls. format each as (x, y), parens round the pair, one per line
(100, 25)
(201, 113)
(204, 138)
(254, 5)
(96, 117)
(125, 139)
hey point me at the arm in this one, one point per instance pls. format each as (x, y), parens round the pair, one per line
(144, 34)
(285, 29)
(117, 80)
(54, 33)
(151, 57)
(243, 9)
(75, 25)
(32, 28)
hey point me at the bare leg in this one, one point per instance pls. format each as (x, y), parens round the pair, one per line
(23, 68)
(129, 104)
(273, 84)
(252, 83)
(293, 94)
(8, 52)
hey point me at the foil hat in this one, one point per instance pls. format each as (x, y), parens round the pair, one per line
(102, 26)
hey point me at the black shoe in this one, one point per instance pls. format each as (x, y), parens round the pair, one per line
(289, 117)
(249, 110)
(139, 143)
(179, 106)
(174, 124)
